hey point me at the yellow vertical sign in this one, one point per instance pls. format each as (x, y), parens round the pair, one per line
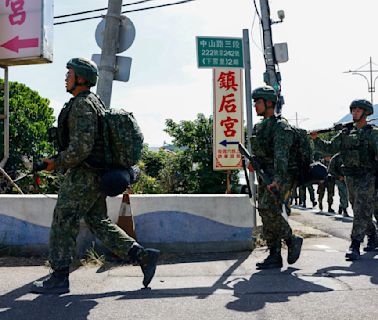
(228, 118)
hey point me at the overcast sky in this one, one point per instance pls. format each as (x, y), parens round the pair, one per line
(325, 38)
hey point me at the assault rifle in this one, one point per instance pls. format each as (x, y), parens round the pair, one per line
(340, 126)
(264, 177)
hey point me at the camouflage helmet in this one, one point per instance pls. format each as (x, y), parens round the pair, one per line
(266, 92)
(84, 68)
(363, 104)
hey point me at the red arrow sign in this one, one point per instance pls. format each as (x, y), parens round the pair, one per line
(15, 44)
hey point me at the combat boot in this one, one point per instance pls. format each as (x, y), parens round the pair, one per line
(340, 210)
(294, 246)
(372, 243)
(330, 209)
(345, 213)
(274, 260)
(147, 259)
(320, 206)
(55, 283)
(314, 203)
(354, 251)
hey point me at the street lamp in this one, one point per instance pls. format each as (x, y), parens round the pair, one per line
(370, 81)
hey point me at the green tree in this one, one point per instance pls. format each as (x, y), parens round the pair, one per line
(195, 138)
(30, 117)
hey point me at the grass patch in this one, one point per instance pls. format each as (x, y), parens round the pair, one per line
(93, 258)
(257, 234)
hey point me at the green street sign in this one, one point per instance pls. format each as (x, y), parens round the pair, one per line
(213, 52)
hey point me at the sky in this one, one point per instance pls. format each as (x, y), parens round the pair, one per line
(325, 38)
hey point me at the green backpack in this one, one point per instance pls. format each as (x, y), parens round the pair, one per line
(123, 138)
(303, 154)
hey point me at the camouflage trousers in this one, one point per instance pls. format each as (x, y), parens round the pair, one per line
(80, 197)
(275, 227)
(330, 186)
(303, 195)
(343, 193)
(372, 230)
(361, 191)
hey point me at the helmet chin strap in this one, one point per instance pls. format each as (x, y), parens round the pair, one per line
(75, 85)
(363, 114)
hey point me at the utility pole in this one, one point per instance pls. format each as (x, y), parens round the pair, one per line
(297, 120)
(271, 76)
(370, 81)
(109, 48)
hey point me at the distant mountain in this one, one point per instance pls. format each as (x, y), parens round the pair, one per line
(348, 117)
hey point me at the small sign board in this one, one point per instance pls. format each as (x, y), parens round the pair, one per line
(216, 52)
(228, 118)
(26, 32)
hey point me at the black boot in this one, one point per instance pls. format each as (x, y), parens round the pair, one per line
(354, 251)
(147, 259)
(294, 246)
(340, 210)
(314, 203)
(320, 206)
(274, 260)
(330, 209)
(345, 213)
(55, 283)
(372, 243)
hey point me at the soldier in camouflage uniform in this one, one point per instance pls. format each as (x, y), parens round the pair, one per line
(329, 185)
(371, 232)
(271, 144)
(335, 170)
(303, 196)
(79, 139)
(359, 152)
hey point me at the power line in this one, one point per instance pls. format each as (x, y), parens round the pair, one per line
(128, 11)
(97, 10)
(160, 6)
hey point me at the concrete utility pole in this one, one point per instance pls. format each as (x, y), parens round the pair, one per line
(271, 76)
(370, 81)
(108, 51)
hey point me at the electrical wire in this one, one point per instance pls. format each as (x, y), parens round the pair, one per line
(252, 38)
(97, 10)
(160, 6)
(128, 11)
(257, 11)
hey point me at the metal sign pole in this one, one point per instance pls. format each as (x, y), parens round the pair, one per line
(248, 104)
(6, 118)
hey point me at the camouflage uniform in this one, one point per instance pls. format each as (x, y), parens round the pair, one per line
(80, 196)
(336, 171)
(303, 196)
(329, 185)
(359, 152)
(271, 142)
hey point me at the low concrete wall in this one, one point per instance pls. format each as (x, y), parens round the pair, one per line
(173, 223)
(193, 223)
(25, 221)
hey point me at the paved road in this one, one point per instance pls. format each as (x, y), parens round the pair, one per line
(321, 285)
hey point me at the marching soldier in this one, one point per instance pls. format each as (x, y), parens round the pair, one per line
(358, 149)
(271, 143)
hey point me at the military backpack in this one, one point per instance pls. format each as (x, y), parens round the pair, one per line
(122, 136)
(123, 139)
(308, 171)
